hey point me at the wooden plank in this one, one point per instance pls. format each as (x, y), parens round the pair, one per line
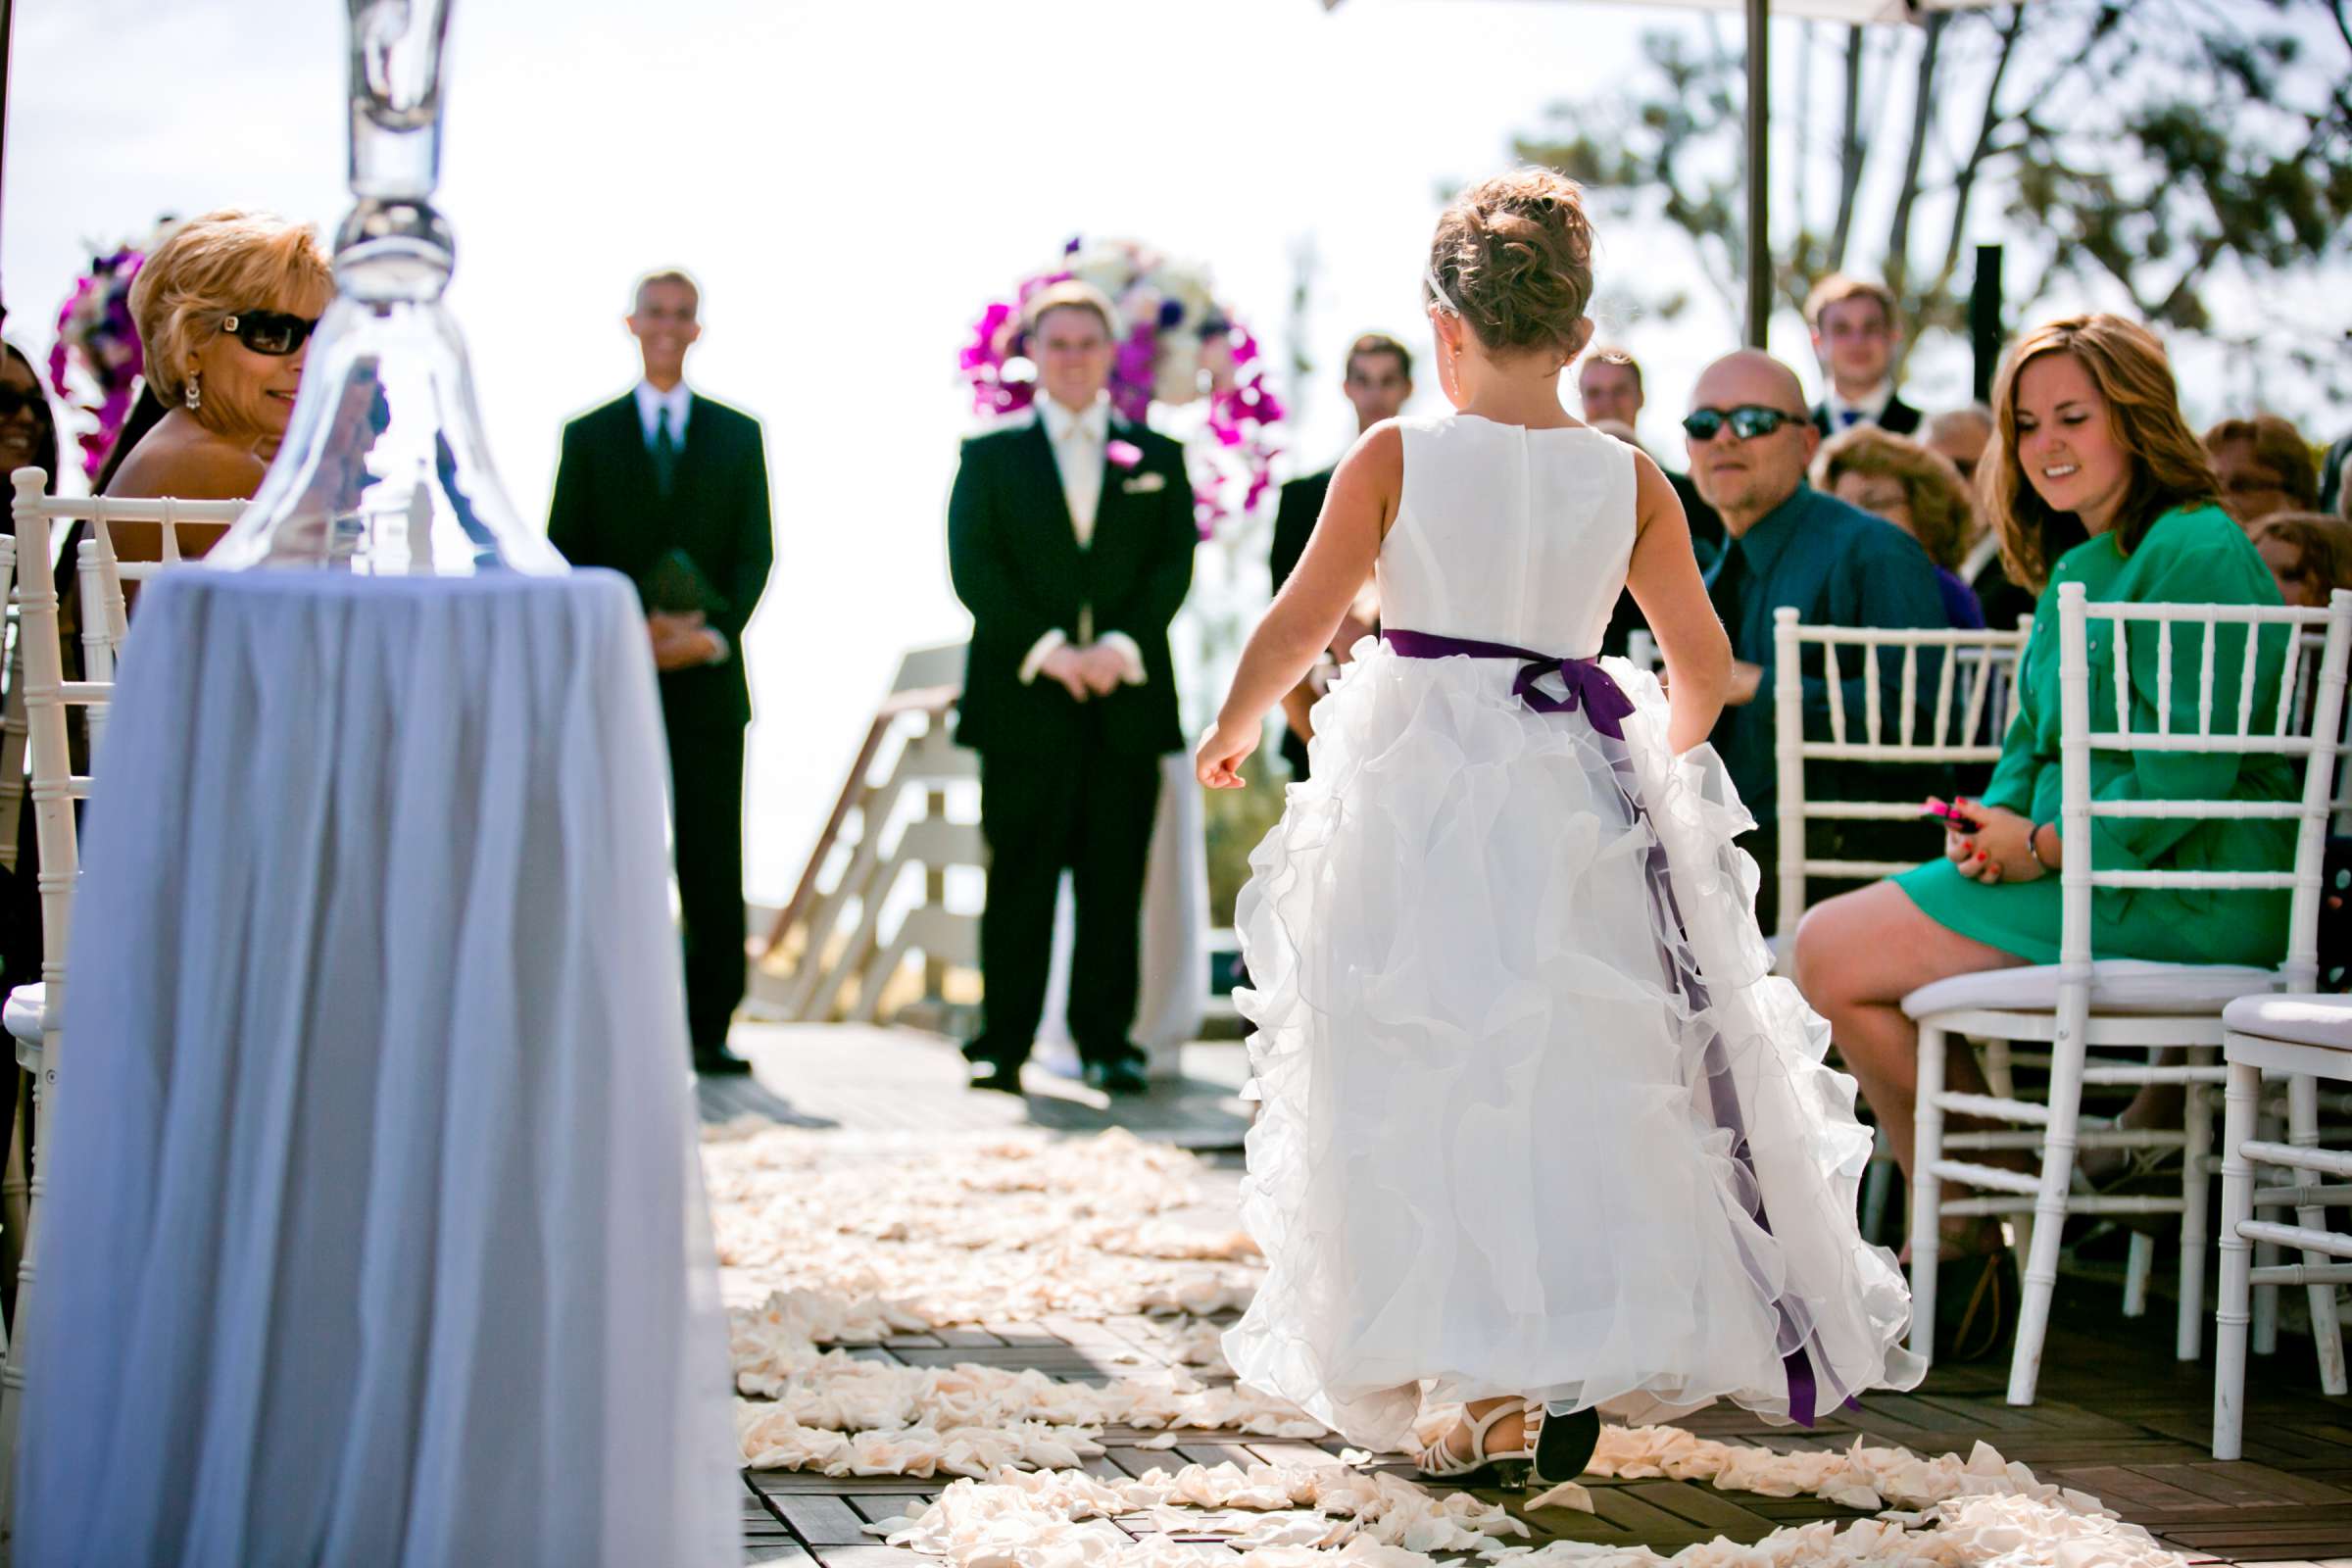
(1697, 1504)
(785, 1553)
(1215, 1453)
(877, 1506)
(821, 1520)
(1273, 1450)
(2238, 1482)
(874, 1557)
(2119, 1487)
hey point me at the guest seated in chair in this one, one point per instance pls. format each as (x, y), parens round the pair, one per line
(224, 308)
(1750, 445)
(1894, 477)
(2088, 426)
(2309, 553)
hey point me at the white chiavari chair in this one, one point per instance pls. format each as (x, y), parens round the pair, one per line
(1950, 710)
(1949, 692)
(33, 1014)
(2085, 1000)
(2305, 1040)
(15, 1189)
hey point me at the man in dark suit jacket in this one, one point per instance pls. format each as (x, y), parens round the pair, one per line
(670, 489)
(1070, 540)
(1855, 330)
(1377, 383)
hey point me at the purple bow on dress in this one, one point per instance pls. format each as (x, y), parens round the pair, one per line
(1589, 687)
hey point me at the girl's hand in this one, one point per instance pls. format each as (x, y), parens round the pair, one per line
(1220, 753)
(1996, 850)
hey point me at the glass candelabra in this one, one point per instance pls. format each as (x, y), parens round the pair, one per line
(383, 469)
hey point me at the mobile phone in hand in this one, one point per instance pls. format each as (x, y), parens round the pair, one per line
(1954, 816)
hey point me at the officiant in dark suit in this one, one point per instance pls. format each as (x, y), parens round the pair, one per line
(1377, 383)
(1070, 540)
(669, 488)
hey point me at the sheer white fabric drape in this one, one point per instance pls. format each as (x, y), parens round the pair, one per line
(376, 1233)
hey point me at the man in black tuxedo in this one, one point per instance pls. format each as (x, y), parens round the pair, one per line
(1070, 540)
(670, 489)
(1377, 383)
(1856, 330)
(1608, 385)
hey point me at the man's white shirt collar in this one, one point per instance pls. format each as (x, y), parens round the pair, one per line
(678, 400)
(1060, 421)
(1870, 407)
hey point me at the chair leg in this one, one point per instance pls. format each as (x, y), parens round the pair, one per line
(1999, 1080)
(2189, 1331)
(1877, 1182)
(2230, 1318)
(2139, 1267)
(2265, 1336)
(1927, 1191)
(2326, 1331)
(2040, 1280)
(12, 1375)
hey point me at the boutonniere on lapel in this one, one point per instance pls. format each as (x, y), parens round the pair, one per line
(1124, 455)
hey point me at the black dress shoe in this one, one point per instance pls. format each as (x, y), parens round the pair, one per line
(1123, 1075)
(1004, 1077)
(1564, 1444)
(719, 1064)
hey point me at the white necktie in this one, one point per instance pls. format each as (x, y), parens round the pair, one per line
(1081, 462)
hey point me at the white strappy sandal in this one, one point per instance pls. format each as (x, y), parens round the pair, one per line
(1505, 1471)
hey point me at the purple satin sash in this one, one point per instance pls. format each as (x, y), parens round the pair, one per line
(1605, 706)
(1589, 687)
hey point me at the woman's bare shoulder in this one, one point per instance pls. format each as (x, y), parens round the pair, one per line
(189, 466)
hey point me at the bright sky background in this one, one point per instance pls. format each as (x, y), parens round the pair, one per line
(850, 181)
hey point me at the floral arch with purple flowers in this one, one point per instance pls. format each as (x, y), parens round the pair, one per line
(1179, 346)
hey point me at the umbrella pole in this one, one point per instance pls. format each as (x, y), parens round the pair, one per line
(1759, 124)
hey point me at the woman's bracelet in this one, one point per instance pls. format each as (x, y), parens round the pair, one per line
(2034, 847)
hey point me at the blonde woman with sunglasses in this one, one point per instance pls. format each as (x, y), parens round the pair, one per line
(224, 308)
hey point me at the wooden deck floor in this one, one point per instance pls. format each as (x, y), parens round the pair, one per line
(2118, 1417)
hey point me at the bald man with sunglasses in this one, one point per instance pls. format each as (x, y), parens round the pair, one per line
(1750, 440)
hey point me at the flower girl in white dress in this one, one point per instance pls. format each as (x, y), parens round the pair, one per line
(1538, 1130)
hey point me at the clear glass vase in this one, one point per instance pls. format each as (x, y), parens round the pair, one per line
(384, 470)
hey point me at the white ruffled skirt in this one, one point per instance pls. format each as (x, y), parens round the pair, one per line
(1536, 1119)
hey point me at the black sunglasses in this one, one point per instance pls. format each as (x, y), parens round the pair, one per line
(1747, 422)
(270, 332)
(15, 400)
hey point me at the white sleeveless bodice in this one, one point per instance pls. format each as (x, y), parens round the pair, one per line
(1508, 535)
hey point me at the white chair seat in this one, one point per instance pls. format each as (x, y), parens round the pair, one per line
(2118, 987)
(21, 1013)
(2310, 1019)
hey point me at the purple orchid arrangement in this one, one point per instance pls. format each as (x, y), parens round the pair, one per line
(1180, 349)
(95, 331)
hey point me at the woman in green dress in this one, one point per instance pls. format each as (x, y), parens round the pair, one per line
(2087, 422)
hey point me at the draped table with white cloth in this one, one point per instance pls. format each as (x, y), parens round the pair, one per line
(374, 1231)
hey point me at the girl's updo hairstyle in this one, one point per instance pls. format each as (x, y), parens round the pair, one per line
(1513, 258)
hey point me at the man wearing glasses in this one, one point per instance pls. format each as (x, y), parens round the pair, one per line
(1750, 441)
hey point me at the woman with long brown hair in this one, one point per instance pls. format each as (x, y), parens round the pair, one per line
(2088, 426)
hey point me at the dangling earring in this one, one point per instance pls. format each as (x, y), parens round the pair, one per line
(192, 394)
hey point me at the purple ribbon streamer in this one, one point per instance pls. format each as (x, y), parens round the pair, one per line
(1605, 707)
(1589, 687)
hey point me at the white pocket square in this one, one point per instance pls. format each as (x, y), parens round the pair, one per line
(1144, 484)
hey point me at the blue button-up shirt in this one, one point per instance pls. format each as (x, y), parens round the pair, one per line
(1839, 567)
